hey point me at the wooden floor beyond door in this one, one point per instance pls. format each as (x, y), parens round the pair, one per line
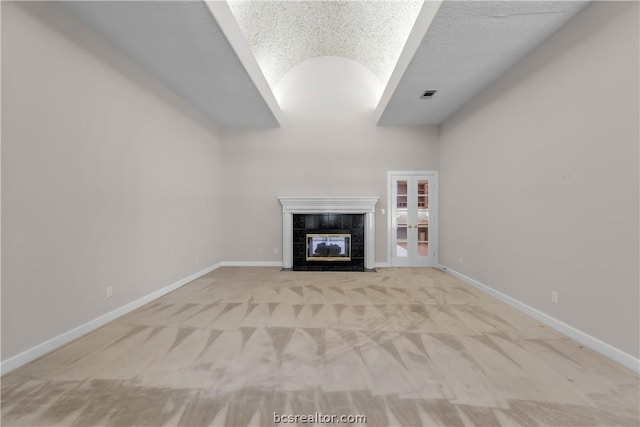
(402, 347)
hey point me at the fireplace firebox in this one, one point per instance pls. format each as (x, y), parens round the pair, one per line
(329, 247)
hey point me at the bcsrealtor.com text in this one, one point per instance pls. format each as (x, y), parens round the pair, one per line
(318, 418)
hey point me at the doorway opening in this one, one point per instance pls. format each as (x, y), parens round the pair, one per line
(412, 223)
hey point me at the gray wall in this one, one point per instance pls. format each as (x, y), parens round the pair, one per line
(108, 179)
(539, 178)
(328, 146)
(301, 161)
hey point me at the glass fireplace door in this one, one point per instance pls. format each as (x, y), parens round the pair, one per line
(411, 245)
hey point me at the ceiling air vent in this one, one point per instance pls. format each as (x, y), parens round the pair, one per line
(428, 94)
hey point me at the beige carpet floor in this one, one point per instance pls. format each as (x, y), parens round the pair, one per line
(402, 347)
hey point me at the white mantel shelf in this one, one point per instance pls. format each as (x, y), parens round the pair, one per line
(328, 204)
(311, 205)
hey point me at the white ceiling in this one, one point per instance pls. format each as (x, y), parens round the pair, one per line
(283, 34)
(198, 49)
(182, 45)
(468, 45)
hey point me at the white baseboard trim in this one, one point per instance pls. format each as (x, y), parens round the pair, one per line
(275, 264)
(251, 263)
(41, 349)
(593, 343)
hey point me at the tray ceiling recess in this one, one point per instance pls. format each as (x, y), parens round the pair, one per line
(283, 34)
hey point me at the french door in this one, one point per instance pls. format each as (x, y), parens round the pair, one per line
(412, 217)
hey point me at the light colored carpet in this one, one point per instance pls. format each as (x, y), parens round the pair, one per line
(401, 347)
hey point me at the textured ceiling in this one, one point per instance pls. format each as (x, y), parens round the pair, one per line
(182, 45)
(283, 34)
(469, 45)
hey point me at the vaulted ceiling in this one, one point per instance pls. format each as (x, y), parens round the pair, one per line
(283, 34)
(227, 58)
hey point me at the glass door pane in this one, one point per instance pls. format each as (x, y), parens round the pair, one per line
(401, 218)
(423, 218)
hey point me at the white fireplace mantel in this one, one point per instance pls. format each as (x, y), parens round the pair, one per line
(328, 204)
(311, 205)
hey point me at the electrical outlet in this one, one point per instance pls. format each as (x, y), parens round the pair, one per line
(109, 291)
(460, 260)
(382, 211)
(275, 251)
(554, 297)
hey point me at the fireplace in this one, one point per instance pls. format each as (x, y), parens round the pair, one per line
(328, 234)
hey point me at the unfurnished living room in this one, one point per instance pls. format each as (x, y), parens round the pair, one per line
(366, 213)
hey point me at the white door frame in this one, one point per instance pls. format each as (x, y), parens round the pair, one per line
(433, 213)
